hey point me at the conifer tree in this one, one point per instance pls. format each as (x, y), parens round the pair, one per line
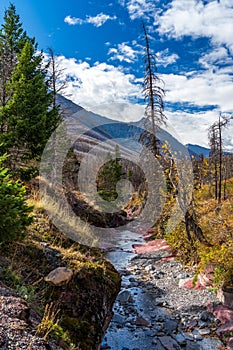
(29, 119)
(12, 39)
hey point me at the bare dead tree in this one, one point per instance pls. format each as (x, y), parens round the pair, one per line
(153, 92)
(216, 151)
(58, 82)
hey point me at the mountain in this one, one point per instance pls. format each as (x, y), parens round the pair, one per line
(89, 129)
(196, 150)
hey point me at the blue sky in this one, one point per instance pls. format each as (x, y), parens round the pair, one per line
(100, 46)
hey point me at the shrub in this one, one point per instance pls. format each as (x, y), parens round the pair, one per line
(14, 211)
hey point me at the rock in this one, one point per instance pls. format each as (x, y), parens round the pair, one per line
(190, 324)
(226, 327)
(118, 319)
(149, 268)
(140, 321)
(204, 331)
(221, 312)
(169, 343)
(194, 346)
(206, 278)
(196, 335)
(124, 296)
(210, 344)
(230, 343)
(189, 285)
(188, 336)
(179, 338)
(183, 281)
(225, 295)
(170, 326)
(205, 316)
(155, 245)
(60, 276)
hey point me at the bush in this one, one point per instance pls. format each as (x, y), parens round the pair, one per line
(14, 211)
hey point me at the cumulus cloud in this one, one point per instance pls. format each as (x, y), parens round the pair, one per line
(72, 20)
(192, 127)
(97, 20)
(201, 89)
(97, 85)
(164, 58)
(140, 8)
(109, 91)
(218, 56)
(213, 19)
(124, 52)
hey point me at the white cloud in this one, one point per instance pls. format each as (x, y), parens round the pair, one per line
(192, 128)
(213, 20)
(140, 8)
(107, 90)
(98, 85)
(72, 20)
(100, 19)
(216, 57)
(164, 58)
(97, 20)
(124, 52)
(201, 89)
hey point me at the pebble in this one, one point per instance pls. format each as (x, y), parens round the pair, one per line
(157, 313)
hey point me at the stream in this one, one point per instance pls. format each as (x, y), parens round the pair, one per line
(151, 310)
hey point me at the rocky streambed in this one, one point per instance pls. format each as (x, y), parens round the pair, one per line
(154, 310)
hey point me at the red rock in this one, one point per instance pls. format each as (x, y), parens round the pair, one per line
(225, 295)
(140, 321)
(168, 258)
(226, 327)
(221, 312)
(152, 246)
(207, 276)
(230, 343)
(150, 230)
(189, 285)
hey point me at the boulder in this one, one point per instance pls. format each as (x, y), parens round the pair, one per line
(59, 276)
(140, 321)
(225, 295)
(206, 277)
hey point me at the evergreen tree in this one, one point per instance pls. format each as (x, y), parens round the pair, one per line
(12, 39)
(109, 175)
(14, 212)
(30, 122)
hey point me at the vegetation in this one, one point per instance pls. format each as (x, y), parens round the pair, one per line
(109, 175)
(27, 115)
(14, 211)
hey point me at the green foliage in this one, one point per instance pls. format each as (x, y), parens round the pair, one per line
(14, 211)
(12, 279)
(50, 328)
(26, 116)
(108, 177)
(27, 110)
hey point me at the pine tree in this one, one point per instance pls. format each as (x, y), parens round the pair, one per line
(29, 119)
(14, 211)
(12, 39)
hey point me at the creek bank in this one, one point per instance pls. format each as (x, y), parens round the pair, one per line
(155, 311)
(71, 281)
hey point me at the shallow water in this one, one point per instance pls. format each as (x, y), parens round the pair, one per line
(123, 252)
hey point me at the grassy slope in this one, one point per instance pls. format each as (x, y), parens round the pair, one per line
(24, 264)
(216, 222)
